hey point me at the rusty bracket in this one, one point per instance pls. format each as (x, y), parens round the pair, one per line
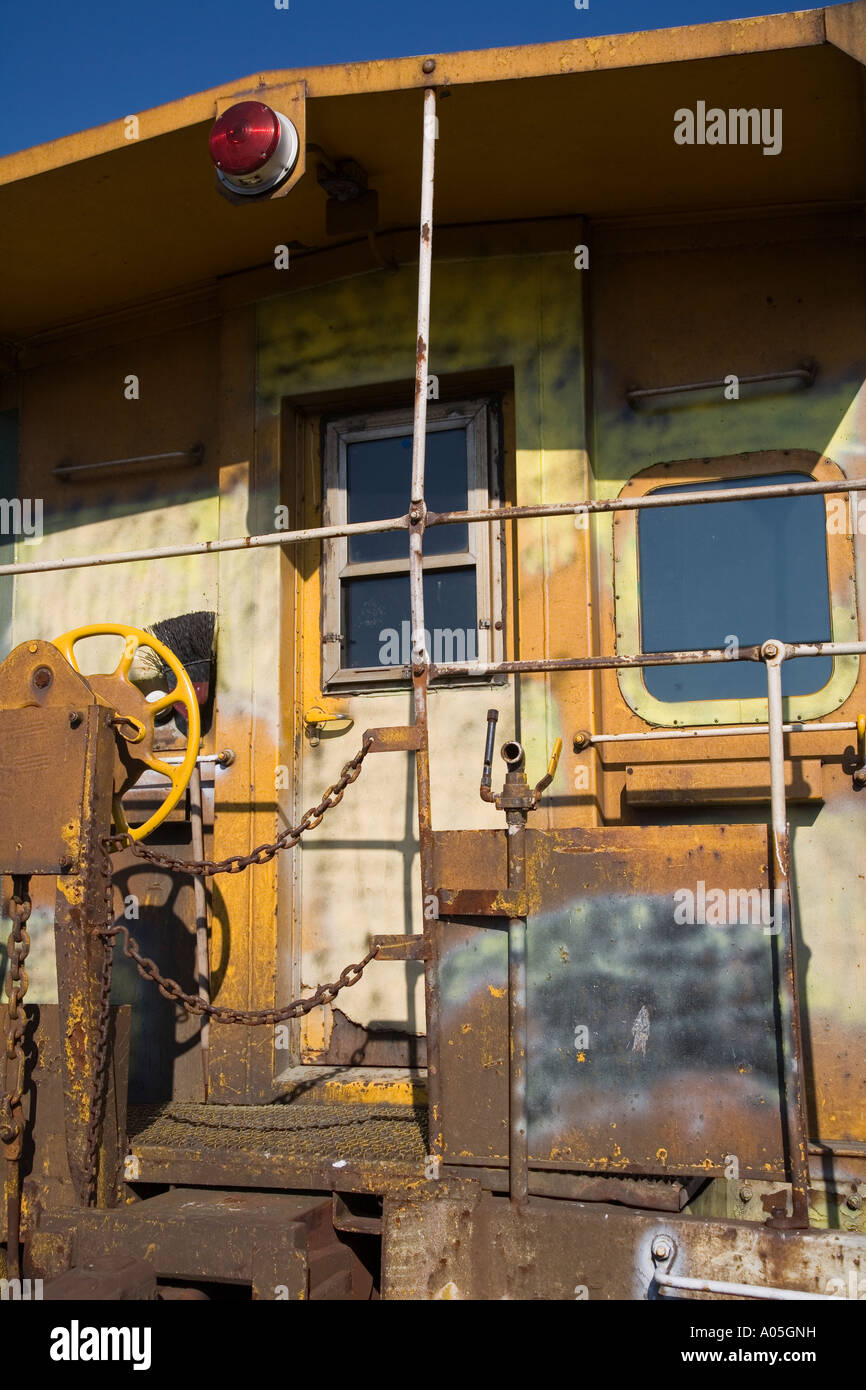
(402, 947)
(400, 738)
(481, 902)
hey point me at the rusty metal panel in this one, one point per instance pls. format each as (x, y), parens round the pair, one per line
(268, 1240)
(47, 1183)
(42, 764)
(456, 1248)
(110, 1278)
(651, 1044)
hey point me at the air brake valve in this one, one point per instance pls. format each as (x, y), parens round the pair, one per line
(516, 794)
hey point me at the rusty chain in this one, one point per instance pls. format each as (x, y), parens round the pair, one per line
(18, 949)
(11, 1113)
(262, 854)
(193, 1004)
(287, 839)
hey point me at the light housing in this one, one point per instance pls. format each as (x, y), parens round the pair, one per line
(253, 147)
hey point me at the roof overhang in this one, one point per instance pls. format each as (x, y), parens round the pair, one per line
(97, 222)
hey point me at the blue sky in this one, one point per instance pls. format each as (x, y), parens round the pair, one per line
(68, 66)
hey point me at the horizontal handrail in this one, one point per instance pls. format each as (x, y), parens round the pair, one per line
(649, 501)
(707, 656)
(195, 456)
(806, 373)
(402, 523)
(724, 1286)
(584, 739)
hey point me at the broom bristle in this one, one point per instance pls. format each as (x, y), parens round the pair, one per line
(191, 636)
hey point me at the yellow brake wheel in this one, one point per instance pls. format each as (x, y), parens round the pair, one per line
(140, 727)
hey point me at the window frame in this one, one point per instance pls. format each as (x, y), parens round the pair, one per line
(484, 552)
(736, 471)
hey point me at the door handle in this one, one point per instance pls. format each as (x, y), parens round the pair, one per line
(317, 715)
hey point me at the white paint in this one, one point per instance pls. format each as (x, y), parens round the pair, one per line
(640, 1030)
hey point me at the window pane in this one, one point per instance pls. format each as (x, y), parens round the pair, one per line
(379, 479)
(751, 569)
(378, 630)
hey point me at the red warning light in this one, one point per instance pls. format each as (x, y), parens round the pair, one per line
(253, 147)
(244, 138)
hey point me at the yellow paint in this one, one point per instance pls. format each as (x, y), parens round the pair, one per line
(520, 310)
(181, 693)
(490, 65)
(378, 1091)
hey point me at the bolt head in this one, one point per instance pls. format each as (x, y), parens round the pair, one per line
(854, 1202)
(428, 65)
(75, 718)
(746, 1194)
(662, 1248)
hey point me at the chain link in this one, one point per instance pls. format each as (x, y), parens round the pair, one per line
(262, 854)
(18, 949)
(287, 839)
(170, 989)
(11, 1111)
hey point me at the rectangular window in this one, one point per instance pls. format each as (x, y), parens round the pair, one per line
(368, 472)
(747, 570)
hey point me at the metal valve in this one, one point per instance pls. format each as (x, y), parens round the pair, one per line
(516, 794)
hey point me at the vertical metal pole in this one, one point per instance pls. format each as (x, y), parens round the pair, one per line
(420, 655)
(202, 958)
(518, 1140)
(79, 949)
(773, 653)
(417, 509)
(425, 260)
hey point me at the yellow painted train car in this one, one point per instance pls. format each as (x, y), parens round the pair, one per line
(312, 507)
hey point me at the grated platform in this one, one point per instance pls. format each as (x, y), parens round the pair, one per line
(324, 1131)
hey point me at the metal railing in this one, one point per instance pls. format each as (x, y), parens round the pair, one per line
(586, 506)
